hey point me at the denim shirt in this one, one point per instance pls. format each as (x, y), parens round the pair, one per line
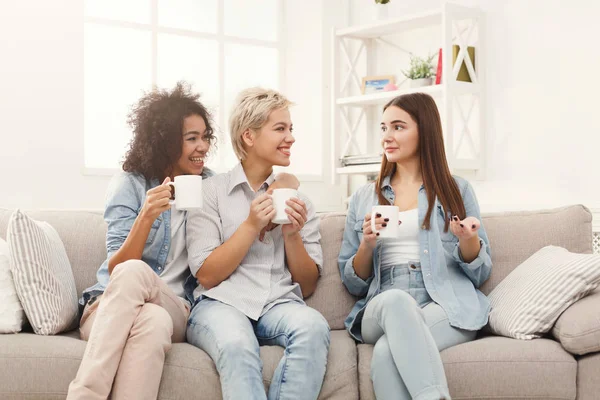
(451, 282)
(125, 197)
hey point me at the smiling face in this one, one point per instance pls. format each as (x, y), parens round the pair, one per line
(194, 148)
(273, 141)
(399, 135)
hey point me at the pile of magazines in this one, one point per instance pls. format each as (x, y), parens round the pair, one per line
(361, 159)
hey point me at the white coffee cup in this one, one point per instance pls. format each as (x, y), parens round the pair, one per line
(279, 197)
(390, 212)
(188, 192)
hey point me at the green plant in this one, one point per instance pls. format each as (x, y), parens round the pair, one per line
(420, 67)
(382, 1)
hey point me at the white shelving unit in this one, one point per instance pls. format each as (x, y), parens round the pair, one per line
(463, 125)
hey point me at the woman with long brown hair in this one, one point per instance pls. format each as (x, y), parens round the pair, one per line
(418, 289)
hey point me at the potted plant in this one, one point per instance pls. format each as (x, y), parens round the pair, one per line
(420, 71)
(381, 9)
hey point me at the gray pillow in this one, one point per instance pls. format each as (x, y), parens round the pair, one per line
(42, 275)
(527, 303)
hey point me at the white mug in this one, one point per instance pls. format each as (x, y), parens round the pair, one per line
(188, 192)
(279, 197)
(391, 212)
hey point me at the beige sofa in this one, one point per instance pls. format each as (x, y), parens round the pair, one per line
(37, 367)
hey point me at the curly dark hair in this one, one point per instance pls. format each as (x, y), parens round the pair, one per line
(157, 123)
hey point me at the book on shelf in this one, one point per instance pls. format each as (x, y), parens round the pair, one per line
(361, 159)
(438, 72)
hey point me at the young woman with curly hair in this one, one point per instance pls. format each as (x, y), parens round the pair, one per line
(137, 308)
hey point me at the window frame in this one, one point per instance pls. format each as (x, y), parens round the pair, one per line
(217, 163)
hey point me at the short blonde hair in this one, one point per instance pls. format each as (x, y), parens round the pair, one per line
(251, 111)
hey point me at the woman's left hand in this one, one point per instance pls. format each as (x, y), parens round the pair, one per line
(297, 213)
(465, 229)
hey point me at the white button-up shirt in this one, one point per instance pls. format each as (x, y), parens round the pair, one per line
(262, 279)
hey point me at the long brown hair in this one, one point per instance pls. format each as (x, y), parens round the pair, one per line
(434, 166)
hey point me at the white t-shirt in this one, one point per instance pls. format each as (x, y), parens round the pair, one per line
(405, 247)
(176, 267)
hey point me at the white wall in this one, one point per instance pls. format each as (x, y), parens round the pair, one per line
(41, 101)
(541, 93)
(542, 119)
(41, 107)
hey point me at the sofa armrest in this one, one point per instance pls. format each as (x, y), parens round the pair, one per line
(578, 327)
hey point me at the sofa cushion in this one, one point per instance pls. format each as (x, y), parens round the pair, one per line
(331, 298)
(578, 328)
(38, 367)
(497, 368)
(527, 303)
(43, 367)
(42, 275)
(569, 227)
(588, 377)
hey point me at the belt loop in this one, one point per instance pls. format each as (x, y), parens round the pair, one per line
(392, 275)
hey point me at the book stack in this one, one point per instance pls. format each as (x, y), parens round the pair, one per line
(361, 159)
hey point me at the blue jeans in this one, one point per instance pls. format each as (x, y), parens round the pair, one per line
(408, 330)
(232, 340)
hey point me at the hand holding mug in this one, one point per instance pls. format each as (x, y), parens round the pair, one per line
(297, 214)
(157, 201)
(369, 233)
(261, 212)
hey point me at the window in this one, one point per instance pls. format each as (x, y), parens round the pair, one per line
(219, 46)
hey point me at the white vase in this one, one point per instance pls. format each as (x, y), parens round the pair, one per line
(381, 12)
(415, 83)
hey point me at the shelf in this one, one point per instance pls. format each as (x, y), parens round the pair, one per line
(384, 97)
(463, 103)
(360, 169)
(393, 26)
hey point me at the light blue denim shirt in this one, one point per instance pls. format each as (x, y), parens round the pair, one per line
(451, 282)
(125, 197)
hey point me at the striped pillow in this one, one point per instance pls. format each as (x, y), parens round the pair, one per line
(527, 303)
(42, 275)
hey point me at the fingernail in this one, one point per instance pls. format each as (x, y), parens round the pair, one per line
(384, 224)
(473, 226)
(378, 215)
(386, 219)
(377, 234)
(462, 226)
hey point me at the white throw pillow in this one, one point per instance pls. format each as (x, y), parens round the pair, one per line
(11, 312)
(42, 275)
(527, 303)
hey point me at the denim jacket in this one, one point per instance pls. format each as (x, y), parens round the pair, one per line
(451, 282)
(125, 197)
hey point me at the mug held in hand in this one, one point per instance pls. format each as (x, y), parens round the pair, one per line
(188, 192)
(279, 197)
(390, 212)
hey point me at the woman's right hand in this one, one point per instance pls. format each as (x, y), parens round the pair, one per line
(261, 212)
(157, 201)
(370, 237)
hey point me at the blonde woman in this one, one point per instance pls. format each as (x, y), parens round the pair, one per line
(251, 292)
